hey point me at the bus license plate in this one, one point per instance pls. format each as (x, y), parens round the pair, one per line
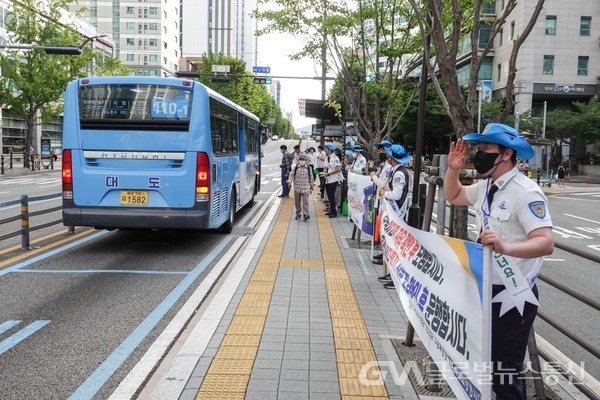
(134, 197)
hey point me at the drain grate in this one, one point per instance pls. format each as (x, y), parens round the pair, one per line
(417, 356)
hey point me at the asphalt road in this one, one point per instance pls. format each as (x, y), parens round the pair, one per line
(82, 316)
(77, 317)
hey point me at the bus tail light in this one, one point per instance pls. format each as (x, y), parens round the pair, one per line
(67, 175)
(202, 177)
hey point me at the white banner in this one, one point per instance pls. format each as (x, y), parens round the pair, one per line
(361, 198)
(441, 284)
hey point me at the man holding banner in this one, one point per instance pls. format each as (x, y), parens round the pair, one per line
(513, 218)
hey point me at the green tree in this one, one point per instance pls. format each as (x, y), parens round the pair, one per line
(242, 90)
(109, 66)
(372, 49)
(32, 81)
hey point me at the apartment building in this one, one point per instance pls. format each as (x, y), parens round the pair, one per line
(147, 34)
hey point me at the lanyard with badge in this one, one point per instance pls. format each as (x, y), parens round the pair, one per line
(517, 287)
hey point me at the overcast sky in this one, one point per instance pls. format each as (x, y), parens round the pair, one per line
(274, 51)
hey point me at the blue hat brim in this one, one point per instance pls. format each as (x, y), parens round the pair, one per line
(330, 147)
(383, 143)
(402, 160)
(518, 144)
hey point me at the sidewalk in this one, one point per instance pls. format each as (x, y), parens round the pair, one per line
(306, 318)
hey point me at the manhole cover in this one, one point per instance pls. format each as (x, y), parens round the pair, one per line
(418, 357)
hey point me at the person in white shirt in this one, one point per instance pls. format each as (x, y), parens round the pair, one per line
(511, 211)
(331, 174)
(321, 162)
(359, 165)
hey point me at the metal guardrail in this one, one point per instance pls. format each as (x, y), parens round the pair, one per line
(29, 161)
(24, 216)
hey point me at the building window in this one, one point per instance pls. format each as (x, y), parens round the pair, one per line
(512, 30)
(484, 34)
(584, 26)
(165, 61)
(131, 26)
(153, 26)
(130, 42)
(548, 65)
(500, 37)
(499, 72)
(551, 25)
(130, 10)
(582, 65)
(152, 58)
(130, 57)
(153, 42)
(153, 10)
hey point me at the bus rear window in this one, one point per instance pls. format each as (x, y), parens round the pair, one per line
(127, 105)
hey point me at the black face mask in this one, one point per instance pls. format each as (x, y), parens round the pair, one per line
(382, 157)
(483, 161)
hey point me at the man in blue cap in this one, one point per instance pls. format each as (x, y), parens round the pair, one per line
(513, 218)
(397, 189)
(359, 164)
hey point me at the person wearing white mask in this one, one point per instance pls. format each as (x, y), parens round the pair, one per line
(359, 165)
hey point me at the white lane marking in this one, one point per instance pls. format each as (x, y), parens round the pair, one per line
(584, 219)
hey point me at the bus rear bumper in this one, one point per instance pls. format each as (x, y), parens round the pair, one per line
(141, 218)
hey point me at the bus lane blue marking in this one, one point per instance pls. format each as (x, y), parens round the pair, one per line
(94, 382)
(7, 325)
(102, 271)
(21, 335)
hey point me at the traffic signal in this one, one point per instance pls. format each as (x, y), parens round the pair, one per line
(220, 78)
(66, 50)
(259, 80)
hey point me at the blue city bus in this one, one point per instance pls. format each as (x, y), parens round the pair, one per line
(153, 152)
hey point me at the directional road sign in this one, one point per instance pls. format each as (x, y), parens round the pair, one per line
(261, 70)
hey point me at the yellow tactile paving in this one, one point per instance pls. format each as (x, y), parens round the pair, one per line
(352, 343)
(229, 372)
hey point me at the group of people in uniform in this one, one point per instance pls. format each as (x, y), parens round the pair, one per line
(511, 213)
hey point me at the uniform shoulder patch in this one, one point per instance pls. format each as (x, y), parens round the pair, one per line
(538, 208)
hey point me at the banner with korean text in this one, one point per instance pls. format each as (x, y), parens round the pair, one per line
(440, 281)
(361, 195)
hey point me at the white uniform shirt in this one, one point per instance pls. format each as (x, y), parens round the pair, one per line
(331, 162)
(359, 165)
(519, 207)
(383, 175)
(394, 191)
(321, 159)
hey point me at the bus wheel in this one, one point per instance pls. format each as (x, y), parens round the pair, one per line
(227, 226)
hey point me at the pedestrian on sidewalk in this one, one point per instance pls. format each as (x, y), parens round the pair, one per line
(321, 163)
(561, 174)
(332, 176)
(286, 167)
(302, 179)
(512, 216)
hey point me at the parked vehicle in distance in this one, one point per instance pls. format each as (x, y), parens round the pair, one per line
(275, 138)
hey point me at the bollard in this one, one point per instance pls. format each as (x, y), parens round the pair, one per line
(25, 223)
(539, 175)
(2, 161)
(10, 160)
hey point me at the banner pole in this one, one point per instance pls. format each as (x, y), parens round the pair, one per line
(486, 319)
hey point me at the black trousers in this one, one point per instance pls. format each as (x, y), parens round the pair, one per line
(331, 187)
(509, 343)
(321, 182)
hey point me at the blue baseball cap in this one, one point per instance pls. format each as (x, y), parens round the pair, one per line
(383, 144)
(337, 149)
(330, 147)
(398, 153)
(357, 148)
(504, 135)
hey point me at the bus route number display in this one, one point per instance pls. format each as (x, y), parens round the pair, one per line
(170, 108)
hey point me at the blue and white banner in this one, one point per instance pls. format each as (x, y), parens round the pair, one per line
(443, 290)
(361, 198)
